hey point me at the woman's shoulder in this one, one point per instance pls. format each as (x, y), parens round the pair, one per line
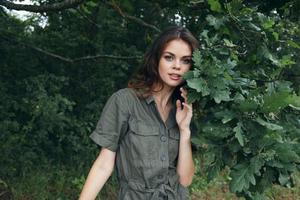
(125, 95)
(124, 92)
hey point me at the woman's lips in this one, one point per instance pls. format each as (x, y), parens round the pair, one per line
(175, 77)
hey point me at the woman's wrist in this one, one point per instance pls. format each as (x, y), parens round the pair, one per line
(185, 133)
(184, 129)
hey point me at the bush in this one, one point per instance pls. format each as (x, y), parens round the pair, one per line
(249, 104)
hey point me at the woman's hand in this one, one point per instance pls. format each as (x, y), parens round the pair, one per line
(184, 115)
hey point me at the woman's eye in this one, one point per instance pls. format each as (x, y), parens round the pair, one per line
(187, 61)
(168, 58)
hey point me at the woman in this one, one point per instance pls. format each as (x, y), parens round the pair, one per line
(145, 129)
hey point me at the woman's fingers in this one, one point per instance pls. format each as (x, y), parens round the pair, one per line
(183, 90)
(184, 94)
(189, 106)
(178, 105)
(189, 110)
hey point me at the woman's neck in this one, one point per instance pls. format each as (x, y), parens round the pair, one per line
(163, 96)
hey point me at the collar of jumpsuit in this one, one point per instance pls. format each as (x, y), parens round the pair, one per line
(147, 149)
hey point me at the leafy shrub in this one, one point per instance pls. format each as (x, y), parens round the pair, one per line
(249, 102)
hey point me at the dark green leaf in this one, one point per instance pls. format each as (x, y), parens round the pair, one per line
(268, 125)
(242, 176)
(215, 5)
(199, 85)
(239, 133)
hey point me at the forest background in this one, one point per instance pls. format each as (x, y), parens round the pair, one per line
(59, 66)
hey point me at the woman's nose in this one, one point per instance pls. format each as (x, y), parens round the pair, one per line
(177, 64)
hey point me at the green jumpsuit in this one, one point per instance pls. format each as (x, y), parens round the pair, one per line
(146, 147)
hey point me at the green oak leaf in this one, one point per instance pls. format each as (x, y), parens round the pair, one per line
(215, 22)
(293, 44)
(199, 85)
(268, 125)
(215, 5)
(197, 58)
(283, 178)
(239, 133)
(229, 43)
(221, 95)
(242, 176)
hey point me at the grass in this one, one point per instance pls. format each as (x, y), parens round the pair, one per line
(64, 183)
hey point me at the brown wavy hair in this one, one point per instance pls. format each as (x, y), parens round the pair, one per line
(147, 74)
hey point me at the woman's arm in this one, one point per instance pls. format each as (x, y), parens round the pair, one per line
(98, 175)
(185, 163)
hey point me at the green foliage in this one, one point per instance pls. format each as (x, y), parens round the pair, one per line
(245, 81)
(241, 82)
(214, 5)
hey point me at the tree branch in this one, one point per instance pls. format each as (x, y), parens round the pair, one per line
(72, 60)
(106, 56)
(135, 19)
(88, 19)
(41, 8)
(84, 58)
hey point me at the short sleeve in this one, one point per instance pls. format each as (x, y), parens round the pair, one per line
(112, 123)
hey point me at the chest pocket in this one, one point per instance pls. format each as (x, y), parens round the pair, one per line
(143, 139)
(174, 136)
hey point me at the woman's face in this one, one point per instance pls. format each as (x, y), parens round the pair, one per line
(176, 59)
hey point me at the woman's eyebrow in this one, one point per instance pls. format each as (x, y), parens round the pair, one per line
(169, 53)
(172, 54)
